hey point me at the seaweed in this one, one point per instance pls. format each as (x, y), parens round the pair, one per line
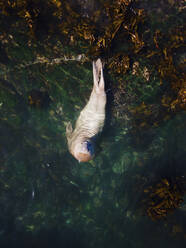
(164, 197)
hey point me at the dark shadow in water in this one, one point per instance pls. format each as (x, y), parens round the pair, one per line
(45, 238)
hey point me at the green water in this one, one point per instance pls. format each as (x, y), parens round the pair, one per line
(47, 198)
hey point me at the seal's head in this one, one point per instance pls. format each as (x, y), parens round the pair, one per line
(84, 151)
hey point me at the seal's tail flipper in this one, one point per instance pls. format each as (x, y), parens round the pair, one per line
(98, 74)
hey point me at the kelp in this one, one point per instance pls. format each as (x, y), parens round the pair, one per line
(47, 48)
(163, 197)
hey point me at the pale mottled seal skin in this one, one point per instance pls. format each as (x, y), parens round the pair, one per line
(90, 121)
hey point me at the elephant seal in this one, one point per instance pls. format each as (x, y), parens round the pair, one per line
(91, 119)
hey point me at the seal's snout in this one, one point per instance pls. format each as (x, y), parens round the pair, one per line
(84, 151)
(83, 157)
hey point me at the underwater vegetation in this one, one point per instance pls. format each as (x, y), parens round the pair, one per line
(47, 48)
(124, 32)
(163, 197)
(38, 99)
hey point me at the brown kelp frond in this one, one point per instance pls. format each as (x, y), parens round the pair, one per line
(162, 198)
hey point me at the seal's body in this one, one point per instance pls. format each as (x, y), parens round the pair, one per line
(91, 119)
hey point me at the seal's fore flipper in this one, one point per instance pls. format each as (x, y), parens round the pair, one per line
(69, 130)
